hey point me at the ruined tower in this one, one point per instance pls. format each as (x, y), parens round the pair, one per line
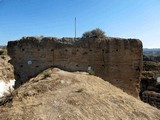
(116, 60)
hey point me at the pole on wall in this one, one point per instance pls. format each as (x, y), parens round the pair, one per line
(75, 26)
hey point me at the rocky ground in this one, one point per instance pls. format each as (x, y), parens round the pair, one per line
(59, 95)
(6, 69)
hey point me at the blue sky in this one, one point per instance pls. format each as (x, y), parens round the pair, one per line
(118, 18)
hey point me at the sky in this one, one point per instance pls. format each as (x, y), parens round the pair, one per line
(118, 18)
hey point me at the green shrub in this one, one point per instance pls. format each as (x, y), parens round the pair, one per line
(95, 33)
(46, 74)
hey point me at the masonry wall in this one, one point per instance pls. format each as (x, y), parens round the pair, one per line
(116, 60)
(151, 97)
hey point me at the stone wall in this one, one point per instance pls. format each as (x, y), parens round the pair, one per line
(150, 88)
(151, 97)
(116, 60)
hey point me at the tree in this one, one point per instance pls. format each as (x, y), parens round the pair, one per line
(95, 33)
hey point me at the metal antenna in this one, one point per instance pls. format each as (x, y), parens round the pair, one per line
(75, 27)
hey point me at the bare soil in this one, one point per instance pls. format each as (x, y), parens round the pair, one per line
(64, 95)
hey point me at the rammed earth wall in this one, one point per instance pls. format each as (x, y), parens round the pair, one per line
(116, 60)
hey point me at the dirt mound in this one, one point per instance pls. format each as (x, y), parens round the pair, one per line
(59, 95)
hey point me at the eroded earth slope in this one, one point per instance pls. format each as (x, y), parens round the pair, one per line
(58, 95)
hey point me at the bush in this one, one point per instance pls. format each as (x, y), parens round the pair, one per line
(95, 33)
(46, 74)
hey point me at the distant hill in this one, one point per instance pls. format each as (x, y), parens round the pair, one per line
(151, 52)
(2, 47)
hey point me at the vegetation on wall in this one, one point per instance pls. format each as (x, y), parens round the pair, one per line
(95, 33)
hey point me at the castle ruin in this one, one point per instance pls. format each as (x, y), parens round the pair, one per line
(116, 60)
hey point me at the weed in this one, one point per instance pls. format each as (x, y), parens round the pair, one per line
(46, 74)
